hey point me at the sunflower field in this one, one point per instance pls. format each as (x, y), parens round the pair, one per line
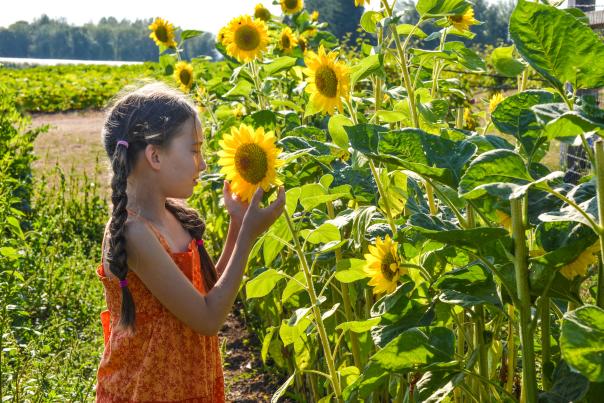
(426, 253)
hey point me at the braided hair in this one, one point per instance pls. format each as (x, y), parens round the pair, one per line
(151, 114)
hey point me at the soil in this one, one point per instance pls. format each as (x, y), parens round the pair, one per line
(73, 142)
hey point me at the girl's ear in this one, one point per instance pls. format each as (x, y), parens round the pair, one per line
(153, 157)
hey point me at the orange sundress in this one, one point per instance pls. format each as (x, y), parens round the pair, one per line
(165, 360)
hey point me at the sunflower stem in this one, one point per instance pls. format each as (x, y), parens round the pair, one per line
(383, 197)
(529, 381)
(354, 341)
(545, 343)
(511, 347)
(599, 171)
(335, 381)
(483, 351)
(460, 350)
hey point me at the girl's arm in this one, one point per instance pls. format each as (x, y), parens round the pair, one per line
(236, 210)
(229, 245)
(204, 314)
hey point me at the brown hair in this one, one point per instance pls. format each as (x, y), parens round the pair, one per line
(151, 114)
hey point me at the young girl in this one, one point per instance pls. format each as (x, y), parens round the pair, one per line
(166, 300)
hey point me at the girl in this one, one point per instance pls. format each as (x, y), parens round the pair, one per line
(166, 300)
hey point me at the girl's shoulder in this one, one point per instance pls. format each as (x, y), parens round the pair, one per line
(130, 234)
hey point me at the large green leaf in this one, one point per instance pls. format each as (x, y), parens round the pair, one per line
(504, 62)
(279, 64)
(559, 46)
(262, 284)
(412, 350)
(365, 67)
(439, 8)
(568, 386)
(468, 286)
(514, 116)
(582, 341)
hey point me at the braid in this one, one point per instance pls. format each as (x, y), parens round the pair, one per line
(117, 246)
(192, 222)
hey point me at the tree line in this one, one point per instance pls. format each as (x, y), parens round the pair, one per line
(109, 39)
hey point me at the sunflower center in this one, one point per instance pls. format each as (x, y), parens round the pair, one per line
(456, 18)
(247, 38)
(185, 77)
(161, 33)
(291, 4)
(251, 162)
(389, 267)
(326, 81)
(285, 42)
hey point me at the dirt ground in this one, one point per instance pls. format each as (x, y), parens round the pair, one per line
(74, 142)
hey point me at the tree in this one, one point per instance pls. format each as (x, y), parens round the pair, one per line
(341, 15)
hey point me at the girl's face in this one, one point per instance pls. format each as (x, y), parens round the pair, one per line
(184, 160)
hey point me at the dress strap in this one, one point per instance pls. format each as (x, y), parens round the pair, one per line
(152, 227)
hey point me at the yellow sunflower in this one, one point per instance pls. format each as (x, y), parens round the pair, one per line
(249, 159)
(469, 119)
(162, 32)
(504, 219)
(578, 267)
(221, 38)
(291, 6)
(183, 74)
(383, 265)
(314, 16)
(463, 21)
(287, 40)
(245, 38)
(494, 101)
(328, 80)
(261, 12)
(302, 43)
(361, 3)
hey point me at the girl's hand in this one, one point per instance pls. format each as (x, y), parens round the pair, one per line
(257, 219)
(234, 205)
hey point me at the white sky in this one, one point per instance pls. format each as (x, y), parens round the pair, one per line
(205, 15)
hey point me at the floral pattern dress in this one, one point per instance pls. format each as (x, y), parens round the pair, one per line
(164, 360)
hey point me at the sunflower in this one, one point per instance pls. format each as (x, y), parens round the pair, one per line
(287, 40)
(245, 38)
(494, 101)
(302, 43)
(504, 219)
(463, 21)
(261, 12)
(328, 80)
(383, 265)
(291, 6)
(578, 267)
(162, 32)
(249, 159)
(469, 119)
(314, 16)
(183, 74)
(221, 38)
(361, 3)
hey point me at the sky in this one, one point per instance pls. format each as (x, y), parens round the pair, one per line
(205, 15)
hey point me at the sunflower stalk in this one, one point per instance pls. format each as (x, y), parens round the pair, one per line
(383, 195)
(545, 343)
(333, 375)
(511, 351)
(529, 381)
(599, 168)
(349, 313)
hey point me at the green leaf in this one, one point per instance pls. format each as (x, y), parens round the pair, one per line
(582, 341)
(350, 270)
(315, 194)
(336, 130)
(406, 29)
(466, 57)
(325, 233)
(9, 252)
(514, 116)
(560, 47)
(266, 342)
(243, 88)
(358, 326)
(568, 386)
(392, 116)
(189, 33)
(281, 390)
(279, 64)
(293, 287)
(262, 284)
(369, 19)
(497, 172)
(440, 8)
(504, 62)
(366, 67)
(432, 228)
(364, 137)
(468, 286)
